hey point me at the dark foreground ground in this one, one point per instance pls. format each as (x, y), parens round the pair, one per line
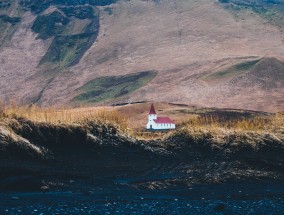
(95, 170)
(229, 198)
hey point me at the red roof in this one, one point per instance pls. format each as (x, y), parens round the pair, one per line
(152, 110)
(163, 120)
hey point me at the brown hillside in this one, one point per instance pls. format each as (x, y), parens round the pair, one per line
(267, 74)
(270, 72)
(184, 41)
(264, 84)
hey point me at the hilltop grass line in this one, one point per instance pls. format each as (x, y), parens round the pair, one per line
(109, 87)
(63, 116)
(199, 128)
(232, 71)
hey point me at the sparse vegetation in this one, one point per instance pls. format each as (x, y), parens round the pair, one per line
(72, 25)
(232, 71)
(108, 10)
(50, 25)
(67, 50)
(68, 45)
(272, 11)
(55, 23)
(37, 6)
(11, 20)
(109, 87)
(5, 3)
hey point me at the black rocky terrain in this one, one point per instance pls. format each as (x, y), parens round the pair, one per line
(94, 168)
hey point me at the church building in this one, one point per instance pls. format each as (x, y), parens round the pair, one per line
(159, 123)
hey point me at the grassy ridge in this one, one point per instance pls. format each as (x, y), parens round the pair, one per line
(220, 129)
(27, 132)
(232, 71)
(109, 87)
(64, 116)
(233, 136)
(214, 129)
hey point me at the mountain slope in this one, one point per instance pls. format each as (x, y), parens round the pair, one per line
(260, 86)
(184, 41)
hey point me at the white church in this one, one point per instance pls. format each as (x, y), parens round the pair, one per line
(159, 123)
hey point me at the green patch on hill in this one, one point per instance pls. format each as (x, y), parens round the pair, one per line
(268, 74)
(109, 87)
(270, 10)
(38, 6)
(74, 30)
(11, 20)
(80, 12)
(5, 4)
(72, 25)
(50, 25)
(8, 26)
(67, 50)
(232, 71)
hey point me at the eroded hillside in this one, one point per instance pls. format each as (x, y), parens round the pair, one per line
(208, 53)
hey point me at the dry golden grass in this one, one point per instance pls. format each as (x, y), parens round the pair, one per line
(216, 131)
(192, 123)
(258, 123)
(55, 115)
(220, 129)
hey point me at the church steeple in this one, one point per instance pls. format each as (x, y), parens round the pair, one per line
(152, 110)
(152, 114)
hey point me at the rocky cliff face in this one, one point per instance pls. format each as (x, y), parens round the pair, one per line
(192, 52)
